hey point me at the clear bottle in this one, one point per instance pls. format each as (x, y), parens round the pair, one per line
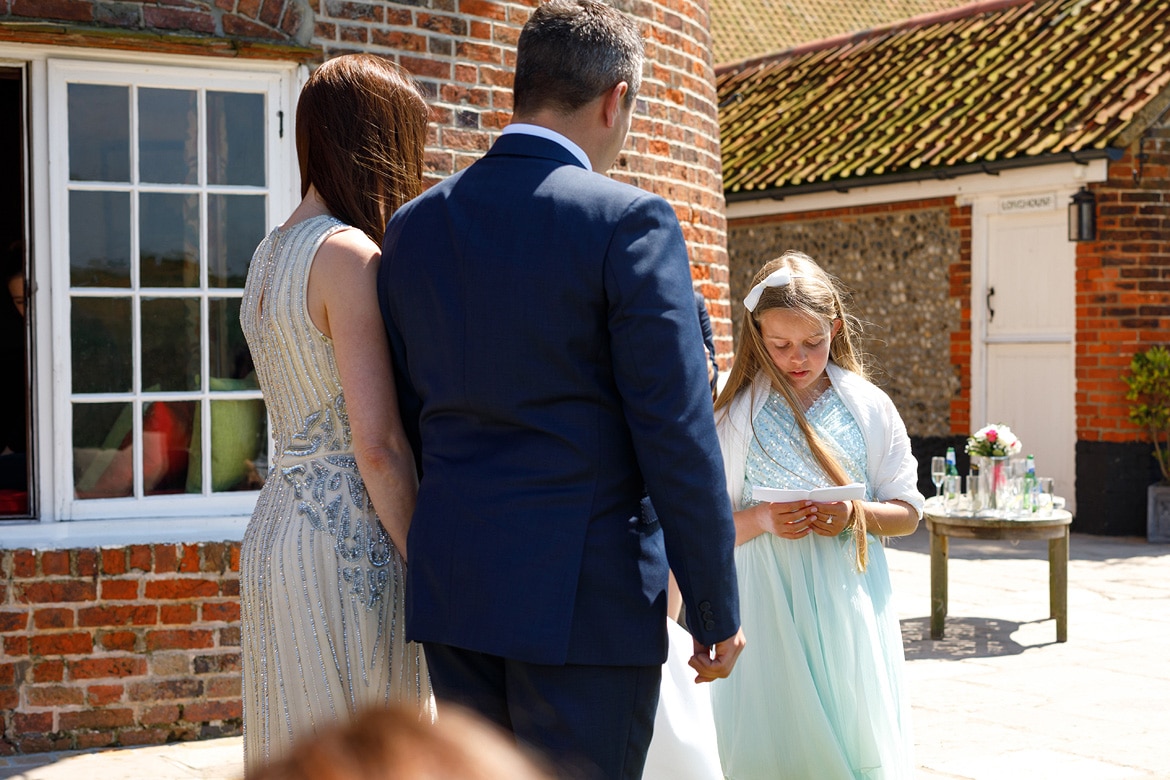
(952, 487)
(1030, 486)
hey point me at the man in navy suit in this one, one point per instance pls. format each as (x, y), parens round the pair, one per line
(550, 378)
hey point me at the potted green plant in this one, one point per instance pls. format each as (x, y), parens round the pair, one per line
(1149, 397)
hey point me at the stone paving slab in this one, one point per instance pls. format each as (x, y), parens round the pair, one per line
(213, 759)
(997, 699)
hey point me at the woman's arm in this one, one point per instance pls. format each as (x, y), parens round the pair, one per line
(890, 518)
(343, 303)
(883, 518)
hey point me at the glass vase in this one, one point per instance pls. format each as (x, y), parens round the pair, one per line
(1000, 482)
(994, 481)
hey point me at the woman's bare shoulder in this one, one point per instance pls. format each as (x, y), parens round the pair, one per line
(348, 249)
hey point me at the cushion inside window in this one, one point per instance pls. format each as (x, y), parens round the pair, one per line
(237, 438)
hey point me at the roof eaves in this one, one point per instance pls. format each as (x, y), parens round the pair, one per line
(990, 167)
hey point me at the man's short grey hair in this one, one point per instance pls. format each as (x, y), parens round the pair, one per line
(572, 51)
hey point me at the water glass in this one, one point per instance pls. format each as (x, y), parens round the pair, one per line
(952, 489)
(1007, 497)
(1044, 495)
(970, 495)
(977, 490)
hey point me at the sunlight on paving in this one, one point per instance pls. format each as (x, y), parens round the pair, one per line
(1040, 765)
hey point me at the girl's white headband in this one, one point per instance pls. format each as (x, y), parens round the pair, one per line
(778, 278)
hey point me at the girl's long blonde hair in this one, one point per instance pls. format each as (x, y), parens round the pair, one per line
(816, 294)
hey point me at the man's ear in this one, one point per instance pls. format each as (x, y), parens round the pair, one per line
(611, 105)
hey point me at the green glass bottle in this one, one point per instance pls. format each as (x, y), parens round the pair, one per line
(1030, 485)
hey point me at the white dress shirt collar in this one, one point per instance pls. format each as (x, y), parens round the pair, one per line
(551, 135)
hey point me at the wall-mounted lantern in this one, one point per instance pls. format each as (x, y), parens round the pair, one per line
(1082, 216)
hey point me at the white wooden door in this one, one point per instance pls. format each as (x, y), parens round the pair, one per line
(1030, 319)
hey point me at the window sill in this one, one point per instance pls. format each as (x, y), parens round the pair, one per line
(120, 533)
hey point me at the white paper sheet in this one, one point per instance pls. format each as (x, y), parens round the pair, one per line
(851, 492)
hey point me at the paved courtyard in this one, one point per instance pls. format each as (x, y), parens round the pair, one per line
(997, 699)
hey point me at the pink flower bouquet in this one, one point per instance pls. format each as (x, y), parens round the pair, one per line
(993, 441)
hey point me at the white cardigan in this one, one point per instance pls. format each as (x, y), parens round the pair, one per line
(891, 469)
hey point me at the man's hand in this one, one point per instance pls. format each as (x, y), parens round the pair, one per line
(717, 661)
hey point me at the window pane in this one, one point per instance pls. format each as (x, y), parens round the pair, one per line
(167, 428)
(99, 133)
(239, 444)
(168, 236)
(100, 328)
(230, 358)
(168, 136)
(103, 452)
(170, 344)
(235, 225)
(99, 239)
(235, 138)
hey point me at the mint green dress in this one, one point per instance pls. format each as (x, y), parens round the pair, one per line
(818, 694)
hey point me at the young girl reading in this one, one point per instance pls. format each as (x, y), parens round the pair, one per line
(820, 693)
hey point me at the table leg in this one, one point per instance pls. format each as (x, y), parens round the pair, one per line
(938, 583)
(1058, 584)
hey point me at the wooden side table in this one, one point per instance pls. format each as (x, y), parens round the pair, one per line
(944, 524)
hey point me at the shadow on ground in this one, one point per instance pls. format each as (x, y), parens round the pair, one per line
(31, 761)
(965, 637)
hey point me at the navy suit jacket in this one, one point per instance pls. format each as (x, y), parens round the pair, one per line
(543, 330)
(708, 336)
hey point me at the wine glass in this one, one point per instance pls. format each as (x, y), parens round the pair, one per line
(938, 470)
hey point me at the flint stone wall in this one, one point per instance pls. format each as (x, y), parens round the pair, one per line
(895, 264)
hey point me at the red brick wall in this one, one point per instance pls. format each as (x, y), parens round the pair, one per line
(673, 148)
(1123, 286)
(463, 54)
(119, 646)
(960, 290)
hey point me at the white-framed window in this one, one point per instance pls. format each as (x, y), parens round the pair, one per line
(161, 181)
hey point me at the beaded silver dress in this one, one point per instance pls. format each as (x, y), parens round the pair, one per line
(321, 584)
